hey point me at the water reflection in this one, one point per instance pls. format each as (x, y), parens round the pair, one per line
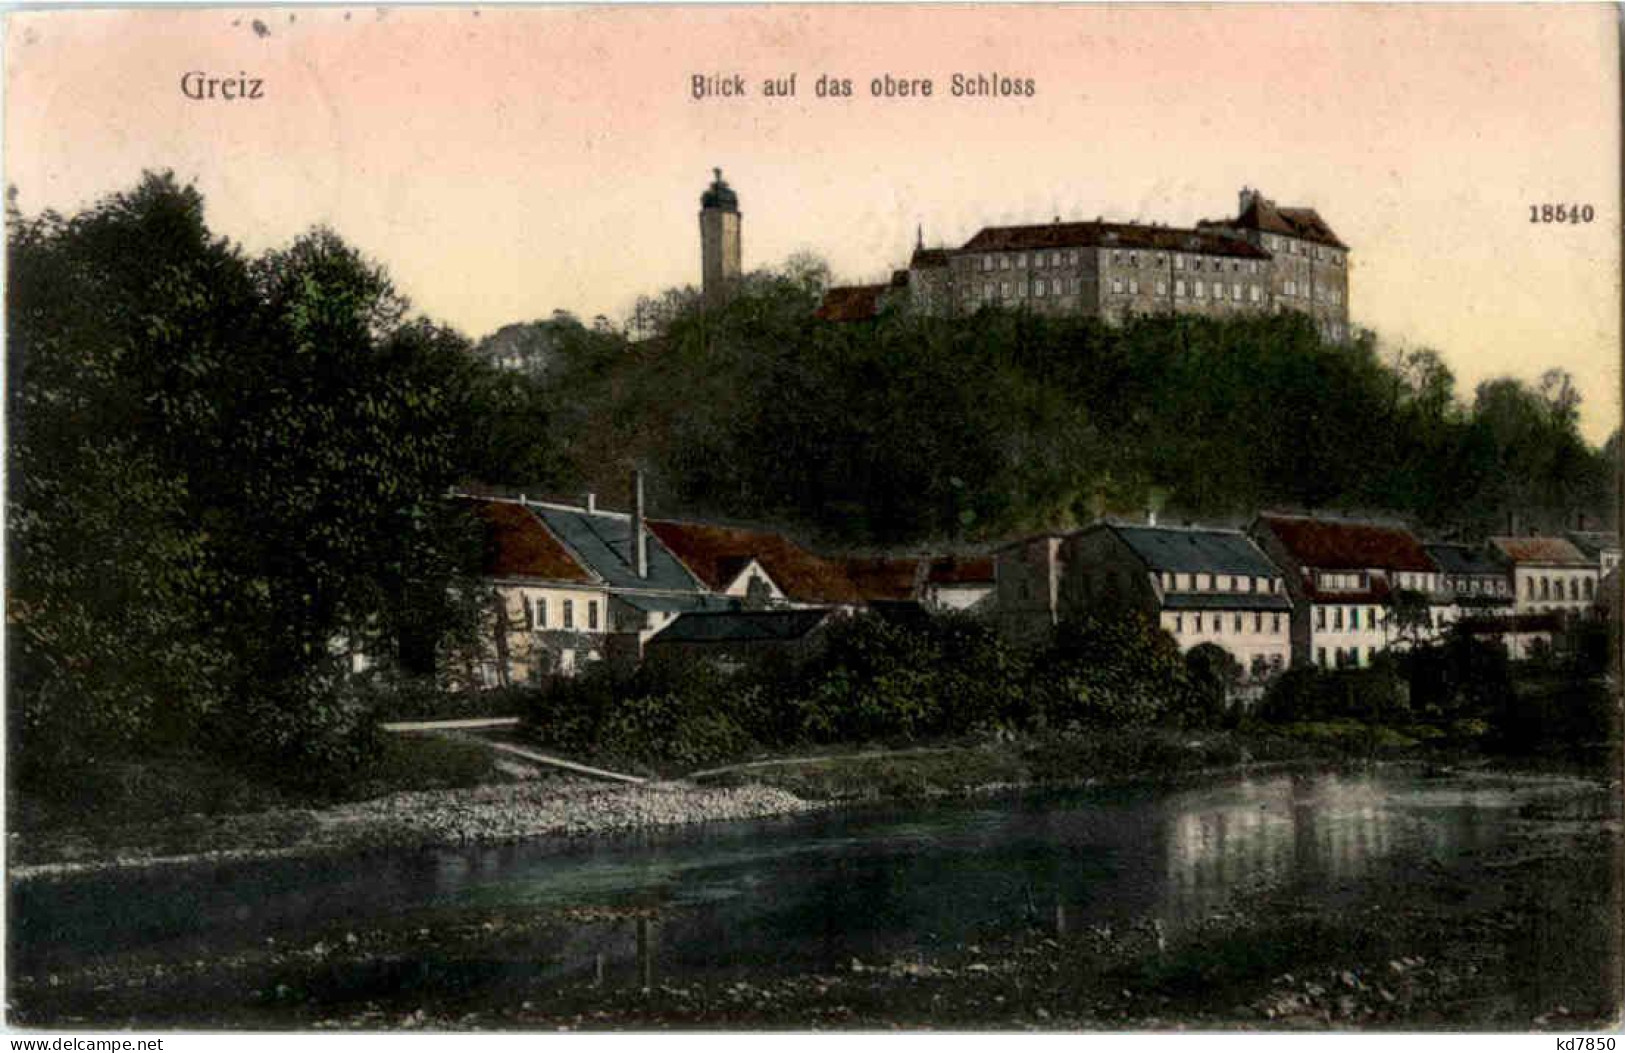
(818, 891)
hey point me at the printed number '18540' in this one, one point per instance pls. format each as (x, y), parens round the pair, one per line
(1561, 213)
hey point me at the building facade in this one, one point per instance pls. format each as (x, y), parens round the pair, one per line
(1348, 580)
(1548, 575)
(1265, 259)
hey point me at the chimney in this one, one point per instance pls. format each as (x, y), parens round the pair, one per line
(592, 501)
(1248, 196)
(1150, 517)
(640, 541)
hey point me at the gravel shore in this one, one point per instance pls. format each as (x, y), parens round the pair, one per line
(554, 807)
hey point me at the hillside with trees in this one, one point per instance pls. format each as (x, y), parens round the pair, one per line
(909, 428)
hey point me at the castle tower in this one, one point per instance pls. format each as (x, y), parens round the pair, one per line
(719, 240)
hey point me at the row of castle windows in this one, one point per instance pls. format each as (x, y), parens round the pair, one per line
(1289, 247)
(1040, 259)
(1215, 622)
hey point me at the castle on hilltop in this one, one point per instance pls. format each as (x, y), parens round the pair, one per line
(1265, 259)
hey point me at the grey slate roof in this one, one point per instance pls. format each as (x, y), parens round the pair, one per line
(1464, 560)
(680, 603)
(741, 626)
(1226, 601)
(1592, 542)
(603, 541)
(1196, 550)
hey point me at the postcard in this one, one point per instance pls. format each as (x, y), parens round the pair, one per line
(1085, 518)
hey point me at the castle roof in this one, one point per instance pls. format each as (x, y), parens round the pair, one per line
(924, 258)
(1111, 235)
(1264, 215)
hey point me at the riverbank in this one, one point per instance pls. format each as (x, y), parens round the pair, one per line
(469, 797)
(1518, 934)
(509, 804)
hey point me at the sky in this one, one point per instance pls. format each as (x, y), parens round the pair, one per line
(503, 163)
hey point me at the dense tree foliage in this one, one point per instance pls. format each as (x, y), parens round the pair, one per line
(908, 428)
(228, 475)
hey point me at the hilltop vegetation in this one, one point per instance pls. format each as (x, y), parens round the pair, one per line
(911, 428)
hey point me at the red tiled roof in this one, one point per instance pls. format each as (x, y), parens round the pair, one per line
(880, 578)
(851, 303)
(961, 570)
(519, 546)
(1264, 215)
(1552, 551)
(1344, 545)
(717, 554)
(1110, 235)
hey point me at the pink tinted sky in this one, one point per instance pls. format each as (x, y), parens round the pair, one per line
(506, 162)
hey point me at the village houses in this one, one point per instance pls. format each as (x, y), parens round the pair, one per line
(1549, 575)
(1343, 575)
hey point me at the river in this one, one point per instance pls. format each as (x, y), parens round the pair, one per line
(816, 892)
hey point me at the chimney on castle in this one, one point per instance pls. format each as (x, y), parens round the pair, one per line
(1248, 196)
(640, 540)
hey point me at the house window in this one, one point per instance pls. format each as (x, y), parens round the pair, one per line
(1337, 618)
(1072, 257)
(987, 263)
(1235, 291)
(1320, 617)
(1134, 286)
(1237, 623)
(1117, 285)
(1021, 259)
(1004, 263)
(569, 614)
(1275, 623)
(1038, 287)
(1179, 263)
(1354, 618)
(987, 291)
(1133, 259)
(592, 614)
(1291, 287)
(1198, 288)
(1218, 624)
(530, 619)
(1162, 287)
(1179, 623)
(1197, 620)
(1004, 290)
(1320, 657)
(541, 612)
(1179, 287)
(1258, 622)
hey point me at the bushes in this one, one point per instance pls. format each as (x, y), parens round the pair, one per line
(875, 680)
(1375, 695)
